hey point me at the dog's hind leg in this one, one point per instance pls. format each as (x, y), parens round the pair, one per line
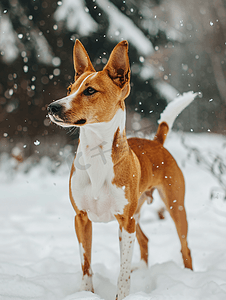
(141, 237)
(172, 193)
(83, 227)
(178, 215)
(143, 243)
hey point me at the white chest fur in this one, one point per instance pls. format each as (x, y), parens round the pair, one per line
(91, 183)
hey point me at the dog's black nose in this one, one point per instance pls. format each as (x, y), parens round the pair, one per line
(54, 108)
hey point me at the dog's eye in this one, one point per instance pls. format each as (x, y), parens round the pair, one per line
(89, 91)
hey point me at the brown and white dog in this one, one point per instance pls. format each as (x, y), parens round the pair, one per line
(112, 176)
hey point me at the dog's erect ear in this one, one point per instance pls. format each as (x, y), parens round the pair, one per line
(118, 64)
(82, 61)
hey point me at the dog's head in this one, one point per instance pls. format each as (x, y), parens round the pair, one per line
(94, 96)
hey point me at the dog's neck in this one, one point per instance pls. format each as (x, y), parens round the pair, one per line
(98, 134)
(95, 148)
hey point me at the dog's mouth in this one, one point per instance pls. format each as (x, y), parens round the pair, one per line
(56, 119)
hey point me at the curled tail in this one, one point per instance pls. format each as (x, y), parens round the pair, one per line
(168, 116)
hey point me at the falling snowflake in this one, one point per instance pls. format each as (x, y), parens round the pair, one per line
(37, 143)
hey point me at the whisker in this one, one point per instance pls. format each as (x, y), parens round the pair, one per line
(72, 130)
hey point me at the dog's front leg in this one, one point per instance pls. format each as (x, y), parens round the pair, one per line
(83, 227)
(126, 240)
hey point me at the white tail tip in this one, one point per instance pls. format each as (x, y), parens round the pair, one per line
(174, 108)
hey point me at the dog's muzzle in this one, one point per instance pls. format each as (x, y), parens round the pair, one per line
(55, 112)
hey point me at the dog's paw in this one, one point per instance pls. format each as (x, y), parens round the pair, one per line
(140, 265)
(87, 284)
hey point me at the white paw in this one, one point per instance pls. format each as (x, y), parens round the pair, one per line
(87, 284)
(138, 266)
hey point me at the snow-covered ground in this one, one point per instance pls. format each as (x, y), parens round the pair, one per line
(39, 255)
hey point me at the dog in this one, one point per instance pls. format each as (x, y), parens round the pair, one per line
(112, 176)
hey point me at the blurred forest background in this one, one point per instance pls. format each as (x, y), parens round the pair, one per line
(175, 46)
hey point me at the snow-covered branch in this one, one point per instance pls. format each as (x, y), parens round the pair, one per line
(76, 17)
